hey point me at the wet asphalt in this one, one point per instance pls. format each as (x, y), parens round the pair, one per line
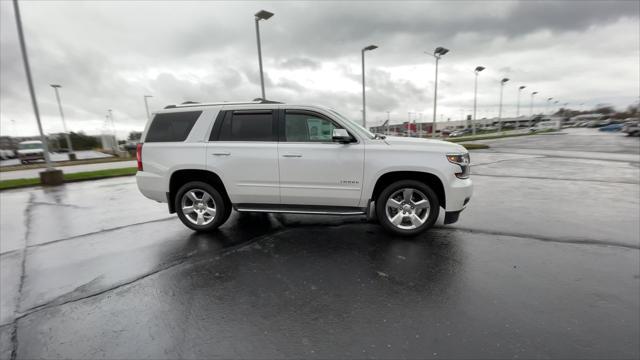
(544, 263)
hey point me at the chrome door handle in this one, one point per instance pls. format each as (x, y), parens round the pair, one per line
(221, 154)
(292, 155)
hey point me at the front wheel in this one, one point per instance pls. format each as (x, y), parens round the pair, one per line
(407, 208)
(200, 206)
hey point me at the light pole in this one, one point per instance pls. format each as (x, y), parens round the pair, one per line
(437, 53)
(53, 179)
(146, 106)
(518, 106)
(547, 107)
(555, 106)
(475, 97)
(261, 15)
(504, 80)
(531, 108)
(364, 102)
(64, 123)
(386, 132)
(113, 125)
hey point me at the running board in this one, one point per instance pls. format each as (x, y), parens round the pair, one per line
(300, 209)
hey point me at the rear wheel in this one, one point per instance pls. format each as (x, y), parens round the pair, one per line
(200, 206)
(407, 208)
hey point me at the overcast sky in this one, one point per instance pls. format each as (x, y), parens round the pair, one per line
(108, 54)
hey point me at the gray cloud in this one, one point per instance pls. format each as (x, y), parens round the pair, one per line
(107, 55)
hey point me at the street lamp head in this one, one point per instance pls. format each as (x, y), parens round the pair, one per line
(549, 99)
(504, 80)
(148, 96)
(55, 86)
(479, 68)
(521, 87)
(263, 15)
(533, 93)
(370, 47)
(439, 51)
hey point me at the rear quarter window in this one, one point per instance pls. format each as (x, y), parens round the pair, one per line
(172, 127)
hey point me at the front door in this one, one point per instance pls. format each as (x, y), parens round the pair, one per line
(314, 170)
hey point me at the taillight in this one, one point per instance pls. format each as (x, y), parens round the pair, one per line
(139, 156)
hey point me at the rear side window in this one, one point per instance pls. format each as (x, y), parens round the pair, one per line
(247, 126)
(171, 127)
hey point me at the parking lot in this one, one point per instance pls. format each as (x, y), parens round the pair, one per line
(545, 262)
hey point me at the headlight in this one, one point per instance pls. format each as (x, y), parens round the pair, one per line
(463, 161)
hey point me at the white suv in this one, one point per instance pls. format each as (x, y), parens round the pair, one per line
(264, 156)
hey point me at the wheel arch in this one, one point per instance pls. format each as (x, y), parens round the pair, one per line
(183, 176)
(429, 179)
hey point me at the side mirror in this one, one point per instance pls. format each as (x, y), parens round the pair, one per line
(341, 136)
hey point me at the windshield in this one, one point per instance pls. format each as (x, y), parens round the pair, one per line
(366, 132)
(29, 146)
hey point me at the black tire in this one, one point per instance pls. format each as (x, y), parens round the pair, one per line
(24, 162)
(222, 210)
(421, 190)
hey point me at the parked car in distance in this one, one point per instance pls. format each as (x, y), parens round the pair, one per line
(7, 154)
(631, 127)
(206, 159)
(30, 151)
(461, 132)
(611, 127)
(545, 125)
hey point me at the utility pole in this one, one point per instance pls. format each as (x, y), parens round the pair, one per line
(388, 123)
(72, 156)
(146, 106)
(51, 176)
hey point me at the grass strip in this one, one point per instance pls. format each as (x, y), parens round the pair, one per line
(71, 177)
(471, 146)
(42, 165)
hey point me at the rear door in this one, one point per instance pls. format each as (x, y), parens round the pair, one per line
(243, 151)
(314, 170)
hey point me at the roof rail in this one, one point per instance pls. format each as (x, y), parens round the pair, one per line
(194, 103)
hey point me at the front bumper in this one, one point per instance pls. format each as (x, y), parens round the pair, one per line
(29, 157)
(458, 194)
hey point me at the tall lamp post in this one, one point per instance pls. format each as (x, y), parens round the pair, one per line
(518, 106)
(531, 108)
(261, 15)
(72, 156)
(547, 107)
(437, 53)
(475, 97)
(502, 82)
(364, 102)
(146, 106)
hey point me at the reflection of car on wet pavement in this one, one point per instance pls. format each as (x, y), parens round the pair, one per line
(205, 159)
(30, 151)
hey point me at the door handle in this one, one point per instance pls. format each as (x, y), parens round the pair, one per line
(221, 154)
(292, 155)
